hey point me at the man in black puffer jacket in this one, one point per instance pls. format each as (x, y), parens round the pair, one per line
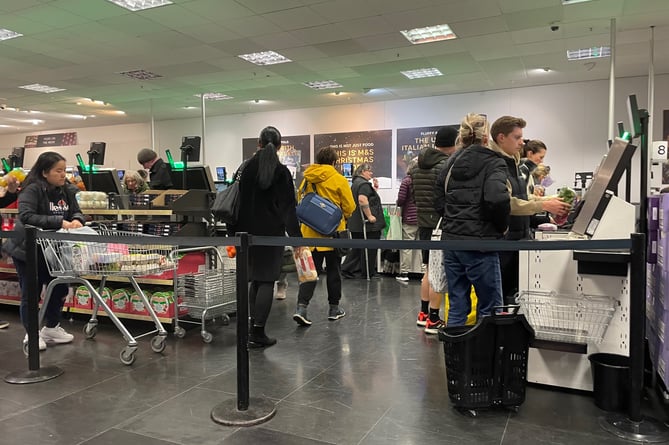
(476, 207)
(430, 162)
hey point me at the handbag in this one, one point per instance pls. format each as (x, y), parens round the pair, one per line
(436, 271)
(226, 205)
(318, 213)
(287, 261)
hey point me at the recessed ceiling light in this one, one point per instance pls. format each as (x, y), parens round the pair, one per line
(265, 58)
(138, 5)
(140, 74)
(41, 88)
(322, 84)
(6, 34)
(429, 34)
(422, 73)
(571, 2)
(215, 96)
(589, 53)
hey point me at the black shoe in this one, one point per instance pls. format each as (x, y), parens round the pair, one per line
(348, 275)
(258, 338)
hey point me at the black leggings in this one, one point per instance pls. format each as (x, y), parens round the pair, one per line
(261, 295)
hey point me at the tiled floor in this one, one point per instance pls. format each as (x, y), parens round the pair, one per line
(369, 378)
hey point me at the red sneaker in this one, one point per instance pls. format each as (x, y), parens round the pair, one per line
(422, 318)
(432, 327)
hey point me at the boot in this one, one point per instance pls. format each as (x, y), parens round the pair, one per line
(258, 338)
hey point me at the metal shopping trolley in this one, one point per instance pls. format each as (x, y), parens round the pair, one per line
(73, 261)
(208, 294)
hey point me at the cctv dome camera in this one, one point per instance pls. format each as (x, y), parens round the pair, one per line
(555, 28)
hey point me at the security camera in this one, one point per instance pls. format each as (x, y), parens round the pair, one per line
(3, 106)
(555, 28)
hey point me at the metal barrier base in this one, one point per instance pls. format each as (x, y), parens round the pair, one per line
(40, 375)
(648, 430)
(260, 410)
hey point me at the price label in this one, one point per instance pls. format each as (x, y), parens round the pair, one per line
(659, 151)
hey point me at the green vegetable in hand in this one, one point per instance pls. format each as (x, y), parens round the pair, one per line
(567, 195)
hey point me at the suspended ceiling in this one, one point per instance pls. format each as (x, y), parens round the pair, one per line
(83, 45)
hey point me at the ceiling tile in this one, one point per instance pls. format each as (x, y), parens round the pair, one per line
(340, 48)
(296, 18)
(269, 6)
(277, 41)
(218, 10)
(174, 16)
(90, 10)
(318, 34)
(364, 27)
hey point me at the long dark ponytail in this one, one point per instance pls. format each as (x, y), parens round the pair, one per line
(269, 141)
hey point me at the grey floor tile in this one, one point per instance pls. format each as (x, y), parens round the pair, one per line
(517, 432)
(117, 437)
(261, 435)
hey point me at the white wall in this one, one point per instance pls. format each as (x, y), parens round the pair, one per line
(570, 118)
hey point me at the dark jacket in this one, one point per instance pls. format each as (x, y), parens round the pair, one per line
(271, 211)
(519, 225)
(406, 201)
(476, 201)
(34, 209)
(360, 186)
(424, 177)
(159, 174)
(525, 168)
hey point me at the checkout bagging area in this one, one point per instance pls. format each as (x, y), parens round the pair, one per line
(594, 309)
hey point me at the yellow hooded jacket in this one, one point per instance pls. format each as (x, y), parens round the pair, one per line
(332, 185)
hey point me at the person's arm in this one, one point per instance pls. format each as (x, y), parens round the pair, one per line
(440, 191)
(403, 193)
(496, 200)
(287, 205)
(363, 201)
(8, 199)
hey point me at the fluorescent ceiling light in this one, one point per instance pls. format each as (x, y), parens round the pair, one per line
(6, 34)
(571, 2)
(589, 53)
(322, 84)
(429, 34)
(188, 107)
(265, 58)
(422, 73)
(140, 74)
(41, 88)
(214, 96)
(138, 5)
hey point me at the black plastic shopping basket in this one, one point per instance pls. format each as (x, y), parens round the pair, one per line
(486, 364)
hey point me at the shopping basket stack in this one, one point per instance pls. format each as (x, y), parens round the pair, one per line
(486, 364)
(209, 294)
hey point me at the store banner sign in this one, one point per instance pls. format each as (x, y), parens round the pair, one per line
(410, 142)
(373, 147)
(51, 140)
(295, 153)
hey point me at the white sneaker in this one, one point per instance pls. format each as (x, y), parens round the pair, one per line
(41, 342)
(56, 335)
(402, 278)
(280, 291)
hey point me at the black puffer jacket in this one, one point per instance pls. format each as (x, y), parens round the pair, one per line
(424, 177)
(477, 203)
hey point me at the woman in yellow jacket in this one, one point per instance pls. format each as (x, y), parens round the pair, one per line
(328, 183)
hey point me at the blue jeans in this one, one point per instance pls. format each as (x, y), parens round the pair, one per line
(466, 268)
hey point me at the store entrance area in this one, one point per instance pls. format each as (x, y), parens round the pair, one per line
(371, 377)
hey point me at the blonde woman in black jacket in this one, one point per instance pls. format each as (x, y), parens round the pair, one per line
(46, 201)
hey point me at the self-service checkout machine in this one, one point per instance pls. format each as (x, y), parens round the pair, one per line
(578, 301)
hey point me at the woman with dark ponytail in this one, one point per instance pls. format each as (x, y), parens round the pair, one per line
(267, 207)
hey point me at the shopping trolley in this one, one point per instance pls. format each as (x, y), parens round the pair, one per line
(74, 261)
(208, 294)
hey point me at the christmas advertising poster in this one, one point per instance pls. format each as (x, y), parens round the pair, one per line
(372, 147)
(410, 142)
(294, 153)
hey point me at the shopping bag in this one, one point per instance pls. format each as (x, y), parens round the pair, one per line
(287, 261)
(395, 225)
(436, 272)
(304, 263)
(226, 204)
